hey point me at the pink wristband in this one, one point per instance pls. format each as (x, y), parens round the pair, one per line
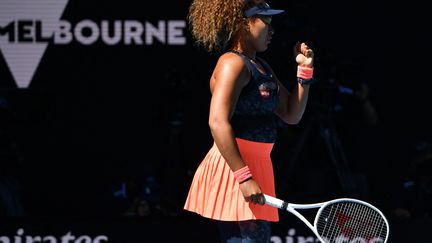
(241, 175)
(305, 72)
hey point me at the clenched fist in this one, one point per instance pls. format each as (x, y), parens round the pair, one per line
(303, 55)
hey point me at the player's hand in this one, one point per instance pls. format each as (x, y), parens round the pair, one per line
(304, 55)
(252, 192)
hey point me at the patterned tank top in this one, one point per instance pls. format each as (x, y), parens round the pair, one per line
(254, 117)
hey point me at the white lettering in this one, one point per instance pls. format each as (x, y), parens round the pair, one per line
(100, 239)
(175, 32)
(158, 33)
(290, 237)
(133, 31)
(111, 40)
(63, 34)
(302, 239)
(325, 240)
(30, 239)
(87, 32)
(341, 239)
(25, 30)
(275, 239)
(4, 239)
(50, 238)
(358, 240)
(67, 237)
(94, 32)
(376, 240)
(84, 239)
(36, 34)
(20, 232)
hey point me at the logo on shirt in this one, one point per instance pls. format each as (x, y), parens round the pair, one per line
(266, 89)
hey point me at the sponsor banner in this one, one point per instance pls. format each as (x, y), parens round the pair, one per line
(28, 27)
(175, 229)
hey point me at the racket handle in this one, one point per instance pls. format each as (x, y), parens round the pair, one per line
(275, 202)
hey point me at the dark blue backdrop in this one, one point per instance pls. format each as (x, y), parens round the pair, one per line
(98, 117)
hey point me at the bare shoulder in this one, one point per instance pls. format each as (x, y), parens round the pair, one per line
(234, 65)
(231, 59)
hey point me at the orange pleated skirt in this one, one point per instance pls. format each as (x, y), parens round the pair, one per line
(214, 192)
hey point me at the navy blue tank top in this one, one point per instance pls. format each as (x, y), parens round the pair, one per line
(254, 117)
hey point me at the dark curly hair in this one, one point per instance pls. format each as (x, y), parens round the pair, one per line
(213, 23)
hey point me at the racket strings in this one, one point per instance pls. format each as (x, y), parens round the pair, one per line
(351, 221)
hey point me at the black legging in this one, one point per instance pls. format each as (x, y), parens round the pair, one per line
(249, 231)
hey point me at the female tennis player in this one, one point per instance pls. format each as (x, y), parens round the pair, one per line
(247, 98)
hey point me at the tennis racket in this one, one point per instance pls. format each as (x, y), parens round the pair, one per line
(343, 220)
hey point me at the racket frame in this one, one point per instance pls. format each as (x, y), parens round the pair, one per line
(291, 207)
